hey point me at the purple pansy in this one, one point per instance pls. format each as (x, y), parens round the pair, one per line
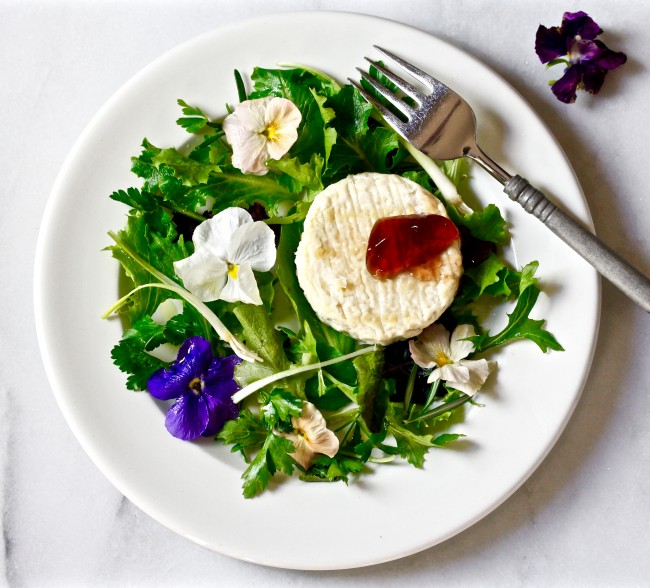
(202, 386)
(575, 43)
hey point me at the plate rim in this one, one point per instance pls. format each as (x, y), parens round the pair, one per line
(47, 228)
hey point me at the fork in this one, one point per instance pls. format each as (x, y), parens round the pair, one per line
(442, 125)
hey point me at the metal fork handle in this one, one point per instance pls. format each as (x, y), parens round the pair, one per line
(608, 263)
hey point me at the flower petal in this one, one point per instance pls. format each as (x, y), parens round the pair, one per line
(565, 88)
(606, 58)
(311, 436)
(254, 243)
(460, 349)
(549, 44)
(303, 453)
(243, 288)
(250, 155)
(579, 24)
(188, 417)
(430, 345)
(478, 370)
(283, 117)
(455, 372)
(194, 358)
(214, 234)
(221, 408)
(203, 274)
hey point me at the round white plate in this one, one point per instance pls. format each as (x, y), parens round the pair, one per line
(195, 488)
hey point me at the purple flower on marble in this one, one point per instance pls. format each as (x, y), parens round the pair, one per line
(202, 386)
(587, 59)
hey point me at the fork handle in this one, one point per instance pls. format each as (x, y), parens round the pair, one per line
(608, 263)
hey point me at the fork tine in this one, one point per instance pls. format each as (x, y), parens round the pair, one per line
(417, 73)
(402, 84)
(390, 118)
(386, 93)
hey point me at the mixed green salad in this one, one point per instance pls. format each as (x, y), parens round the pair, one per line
(219, 327)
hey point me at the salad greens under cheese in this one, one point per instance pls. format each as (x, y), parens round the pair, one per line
(220, 325)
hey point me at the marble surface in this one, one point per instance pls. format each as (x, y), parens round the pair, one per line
(582, 519)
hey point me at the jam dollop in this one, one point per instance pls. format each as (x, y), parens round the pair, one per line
(411, 243)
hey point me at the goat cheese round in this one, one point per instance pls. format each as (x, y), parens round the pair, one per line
(331, 261)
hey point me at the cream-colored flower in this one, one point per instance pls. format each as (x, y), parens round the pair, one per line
(311, 436)
(433, 348)
(227, 248)
(261, 129)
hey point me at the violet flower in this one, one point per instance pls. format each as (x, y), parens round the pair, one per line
(574, 43)
(202, 386)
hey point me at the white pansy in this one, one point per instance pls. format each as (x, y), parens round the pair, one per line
(261, 129)
(227, 248)
(434, 348)
(311, 436)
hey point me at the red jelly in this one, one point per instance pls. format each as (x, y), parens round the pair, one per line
(410, 243)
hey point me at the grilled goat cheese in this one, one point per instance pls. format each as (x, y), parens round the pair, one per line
(331, 261)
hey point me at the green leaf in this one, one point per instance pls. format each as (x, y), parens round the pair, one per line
(131, 355)
(233, 188)
(261, 336)
(372, 395)
(194, 119)
(520, 326)
(486, 225)
(281, 406)
(273, 457)
(246, 431)
(154, 236)
(446, 438)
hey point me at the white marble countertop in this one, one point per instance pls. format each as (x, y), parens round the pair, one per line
(582, 519)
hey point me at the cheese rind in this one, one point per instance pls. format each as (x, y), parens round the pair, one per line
(331, 261)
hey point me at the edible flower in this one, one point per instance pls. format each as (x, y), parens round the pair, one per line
(202, 386)
(227, 248)
(261, 129)
(574, 43)
(434, 349)
(311, 436)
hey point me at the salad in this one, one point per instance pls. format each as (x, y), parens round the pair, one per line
(222, 327)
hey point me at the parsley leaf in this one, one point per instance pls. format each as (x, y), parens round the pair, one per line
(273, 457)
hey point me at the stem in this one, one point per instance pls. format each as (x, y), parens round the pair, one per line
(255, 386)
(441, 409)
(409, 387)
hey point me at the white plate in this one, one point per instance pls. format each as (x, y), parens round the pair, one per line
(195, 489)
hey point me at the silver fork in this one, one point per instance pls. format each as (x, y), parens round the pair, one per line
(443, 126)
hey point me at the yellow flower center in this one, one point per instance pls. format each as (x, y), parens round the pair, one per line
(441, 359)
(233, 270)
(195, 386)
(271, 131)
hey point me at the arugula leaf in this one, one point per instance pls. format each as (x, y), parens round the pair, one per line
(520, 326)
(274, 456)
